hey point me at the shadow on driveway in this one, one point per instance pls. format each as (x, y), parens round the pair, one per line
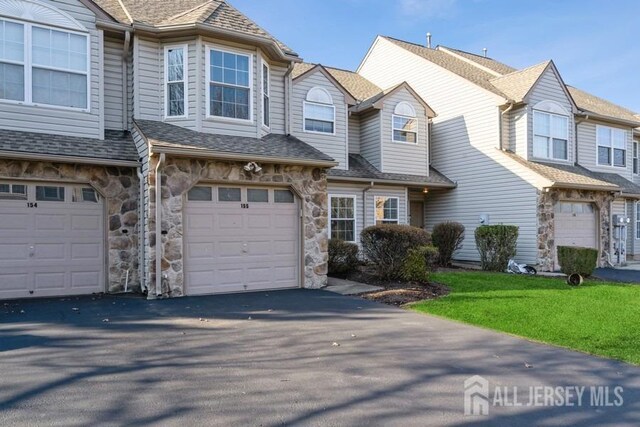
(618, 275)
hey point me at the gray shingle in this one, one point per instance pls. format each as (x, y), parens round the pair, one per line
(517, 85)
(164, 135)
(360, 168)
(117, 145)
(627, 187)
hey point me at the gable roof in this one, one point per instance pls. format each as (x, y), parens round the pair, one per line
(518, 84)
(217, 14)
(592, 104)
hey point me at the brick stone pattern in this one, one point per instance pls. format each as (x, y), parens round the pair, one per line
(180, 175)
(546, 203)
(119, 187)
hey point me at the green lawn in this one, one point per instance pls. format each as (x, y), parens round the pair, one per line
(598, 318)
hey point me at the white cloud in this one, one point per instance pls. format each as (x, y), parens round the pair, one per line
(428, 8)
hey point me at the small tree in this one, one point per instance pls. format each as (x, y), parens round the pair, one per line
(447, 237)
(419, 263)
(496, 245)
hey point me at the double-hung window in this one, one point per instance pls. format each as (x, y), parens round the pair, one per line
(319, 112)
(386, 210)
(55, 72)
(176, 80)
(342, 220)
(229, 85)
(550, 136)
(612, 146)
(265, 94)
(405, 124)
(636, 171)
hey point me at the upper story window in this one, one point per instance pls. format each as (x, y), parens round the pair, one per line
(175, 80)
(550, 135)
(387, 210)
(266, 89)
(229, 84)
(405, 124)
(319, 112)
(612, 146)
(635, 158)
(40, 65)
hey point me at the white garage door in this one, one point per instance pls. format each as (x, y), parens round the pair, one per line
(241, 239)
(51, 240)
(576, 225)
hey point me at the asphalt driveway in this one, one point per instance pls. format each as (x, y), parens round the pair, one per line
(280, 358)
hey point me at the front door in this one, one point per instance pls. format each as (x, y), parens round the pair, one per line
(417, 214)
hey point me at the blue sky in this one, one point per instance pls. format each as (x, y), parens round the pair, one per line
(595, 44)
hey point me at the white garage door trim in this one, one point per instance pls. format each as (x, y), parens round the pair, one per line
(572, 216)
(52, 239)
(271, 261)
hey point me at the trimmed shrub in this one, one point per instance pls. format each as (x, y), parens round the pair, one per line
(577, 260)
(419, 263)
(447, 237)
(343, 256)
(496, 245)
(386, 247)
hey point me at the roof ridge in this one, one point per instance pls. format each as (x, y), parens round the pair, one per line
(545, 63)
(185, 12)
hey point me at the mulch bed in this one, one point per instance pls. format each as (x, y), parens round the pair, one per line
(396, 293)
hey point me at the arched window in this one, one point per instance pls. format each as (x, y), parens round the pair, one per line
(550, 131)
(319, 111)
(405, 123)
(43, 64)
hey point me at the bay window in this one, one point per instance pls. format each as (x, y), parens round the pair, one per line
(229, 85)
(342, 218)
(550, 136)
(265, 95)
(319, 112)
(176, 81)
(55, 73)
(386, 210)
(612, 146)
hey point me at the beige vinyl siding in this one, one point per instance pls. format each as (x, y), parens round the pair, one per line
(354, 134)
(277, 96)
(113, 84)
(517, 131)
(464, 146)
(189, 121)
(400, 157)
(148, 95)
(588, 149)
(64, 121)
(355, 190)
(548, 88)
(384, 191)
(370, 138)
(332, 145)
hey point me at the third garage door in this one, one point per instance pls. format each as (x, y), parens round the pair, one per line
(241, 239)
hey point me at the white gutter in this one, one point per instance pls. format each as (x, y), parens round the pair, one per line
(159, 249)
(391, 182)
(67, 159)
(287, 106)
(502, 114)
(141, 234)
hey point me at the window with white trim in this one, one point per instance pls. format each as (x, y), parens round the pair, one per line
(637, 220)
(266, 89)
(176, 80)
(612, 146)
(404, 124)
(550, 136)
(387, 210)
(636, 166)
(319, 111)
(13, 191)
(342, 218)
(56, 72)
(229, 85)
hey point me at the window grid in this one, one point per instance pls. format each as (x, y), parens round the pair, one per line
(550, 136)
(405, 129)
(319, 118)
(387, 210)
(636, 166)
(176, 81)
(229, 85)
(342, 218)
(612, 146)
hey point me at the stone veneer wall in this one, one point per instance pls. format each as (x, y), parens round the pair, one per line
(546, 203)
(120, 188)
(179, 175)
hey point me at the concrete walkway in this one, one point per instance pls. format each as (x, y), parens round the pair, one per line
(295, 358)
(347, 287)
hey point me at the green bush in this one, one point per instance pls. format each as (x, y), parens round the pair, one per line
(496, 245)
(386, 247)
(447, 237)
(419, 263)
(343, 256)
(577, 260)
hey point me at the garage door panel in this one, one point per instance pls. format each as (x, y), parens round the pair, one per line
(229, 221)
(285, 247)
(84, 279)
(258, 222)
(89, 223)
(12, 251)
(51, 222)
(85, 251)
(13, 223)
(13, 282)
(49, 280)
(200, 222)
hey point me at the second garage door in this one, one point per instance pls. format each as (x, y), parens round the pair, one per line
(576, 225)
(241, 239)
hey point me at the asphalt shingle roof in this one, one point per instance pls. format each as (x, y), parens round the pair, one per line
(357, 86)
(516, 85)
(165, 135)
(591, 103)
(117, 145)
(489, 63)
(627, 187)
(162, 13)
(359, 167)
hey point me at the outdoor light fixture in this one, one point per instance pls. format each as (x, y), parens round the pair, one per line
(253, 167)
(425, 190)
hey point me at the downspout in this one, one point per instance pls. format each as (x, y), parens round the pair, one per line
(501, 117)
(141, 234)
(287, 102)
(159, 248)
(125, 82)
